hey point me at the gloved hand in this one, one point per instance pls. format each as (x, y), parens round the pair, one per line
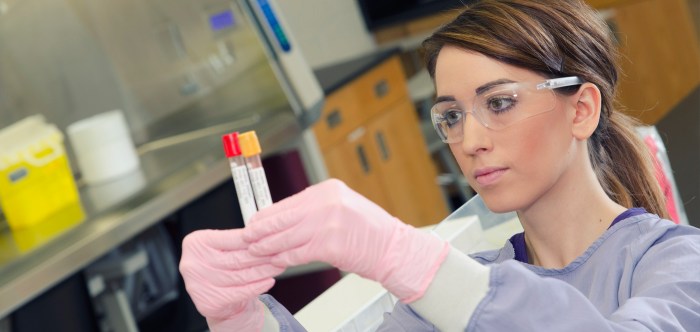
(224, 280)
(329, 222)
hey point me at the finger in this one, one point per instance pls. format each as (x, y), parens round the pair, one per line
(237, 260)
(285, 240)
(235, 294)
(297, 199)
(273, 224)
(245, 277)
(224, 240)
(260, 286)
(223, 278)
(281, 206)
(297, 256)
(254, 274)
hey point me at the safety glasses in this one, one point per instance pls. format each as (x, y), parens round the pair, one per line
(498, 106)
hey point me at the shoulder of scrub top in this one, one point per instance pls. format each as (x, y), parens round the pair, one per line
(494, 256)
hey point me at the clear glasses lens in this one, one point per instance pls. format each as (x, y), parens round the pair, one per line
(499, 107)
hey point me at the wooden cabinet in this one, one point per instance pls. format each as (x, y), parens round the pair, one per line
(601, 4)
(370, 138)
(660, 55)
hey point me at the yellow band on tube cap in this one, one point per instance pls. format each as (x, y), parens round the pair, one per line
(249, 143)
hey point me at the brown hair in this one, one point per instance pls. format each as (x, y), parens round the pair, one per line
(558, 38)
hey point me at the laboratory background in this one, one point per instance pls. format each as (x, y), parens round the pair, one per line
(112, 114)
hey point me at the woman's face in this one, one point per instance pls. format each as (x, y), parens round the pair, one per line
(513, 167)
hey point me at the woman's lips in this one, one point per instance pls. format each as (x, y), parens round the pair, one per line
(488, 176)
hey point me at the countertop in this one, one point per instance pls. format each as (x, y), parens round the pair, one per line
(334, 76)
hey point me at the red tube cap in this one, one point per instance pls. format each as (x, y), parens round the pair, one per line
(231, 146)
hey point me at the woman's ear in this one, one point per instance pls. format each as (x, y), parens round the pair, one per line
(586, 111)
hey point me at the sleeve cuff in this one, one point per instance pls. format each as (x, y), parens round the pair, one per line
(457, 289)
(270, 323)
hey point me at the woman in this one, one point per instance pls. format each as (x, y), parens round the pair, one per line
(525, 95)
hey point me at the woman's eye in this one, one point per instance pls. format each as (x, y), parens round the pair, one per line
(452, 117)
(500, 104)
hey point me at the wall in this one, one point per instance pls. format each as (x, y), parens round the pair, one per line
(328, 31)
(679, 130)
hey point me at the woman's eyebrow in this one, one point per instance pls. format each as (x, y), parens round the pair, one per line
(486, 87)
(440, 99)
(480, 90)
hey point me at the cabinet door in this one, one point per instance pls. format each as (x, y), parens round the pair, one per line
(407, 171)
(354, 161)
(602, 4)
(355, 103)
(661, 56)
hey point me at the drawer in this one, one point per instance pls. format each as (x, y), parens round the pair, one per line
(356, 102)
(381, 87)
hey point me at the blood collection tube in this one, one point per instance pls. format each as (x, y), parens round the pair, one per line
(244, 191)
(251, 151)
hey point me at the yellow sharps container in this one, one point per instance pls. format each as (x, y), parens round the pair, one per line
(35, 177)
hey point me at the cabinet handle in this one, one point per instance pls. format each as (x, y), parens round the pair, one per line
(381, 89)
(363, 159)
(334, 119)
(383, 148)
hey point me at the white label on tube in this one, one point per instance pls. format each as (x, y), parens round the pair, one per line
(260, 188)
(244, 192)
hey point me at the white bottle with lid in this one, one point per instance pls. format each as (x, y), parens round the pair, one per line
(103, 147)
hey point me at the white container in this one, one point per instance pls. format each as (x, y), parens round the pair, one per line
(103, 147)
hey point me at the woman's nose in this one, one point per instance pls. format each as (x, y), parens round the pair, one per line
(474, 135)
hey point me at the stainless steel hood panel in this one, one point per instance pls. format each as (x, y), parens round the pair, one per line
(157, 60)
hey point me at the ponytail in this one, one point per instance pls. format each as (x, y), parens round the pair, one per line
(624, 165)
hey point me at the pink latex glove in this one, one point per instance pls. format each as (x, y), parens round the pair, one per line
(224, 280)
(329, 222)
